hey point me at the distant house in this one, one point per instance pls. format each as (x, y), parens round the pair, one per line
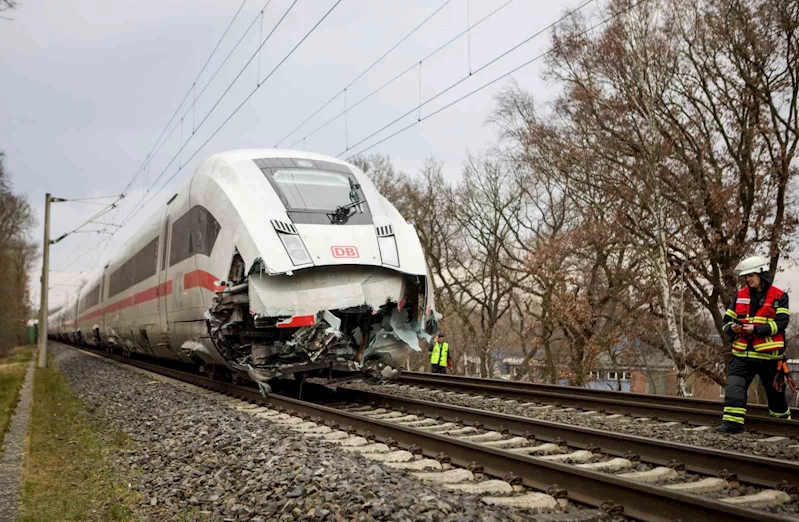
(640, 369)
(504, 361)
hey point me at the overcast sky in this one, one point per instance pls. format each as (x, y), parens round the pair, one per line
(89, 85)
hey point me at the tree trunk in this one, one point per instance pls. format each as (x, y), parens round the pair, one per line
(674, 337)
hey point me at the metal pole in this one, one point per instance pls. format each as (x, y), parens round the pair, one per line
(45, 273)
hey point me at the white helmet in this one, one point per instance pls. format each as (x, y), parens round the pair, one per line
(752, 265)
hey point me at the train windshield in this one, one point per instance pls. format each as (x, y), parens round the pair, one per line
(310, 189)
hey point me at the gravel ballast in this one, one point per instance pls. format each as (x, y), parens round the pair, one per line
(193, 458)
(743, 443)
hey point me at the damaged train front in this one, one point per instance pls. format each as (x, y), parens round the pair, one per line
(337, 284)
(334, 322)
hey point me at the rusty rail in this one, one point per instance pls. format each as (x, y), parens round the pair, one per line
(757, 470)
(693, 411)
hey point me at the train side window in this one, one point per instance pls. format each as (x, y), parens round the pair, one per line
(145, 262)
(193, 233)
(135, 270)
(90, 299)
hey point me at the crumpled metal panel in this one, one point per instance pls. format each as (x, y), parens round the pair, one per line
(310, 291)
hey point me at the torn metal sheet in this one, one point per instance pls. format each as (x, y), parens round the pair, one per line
(333, 321)
(321, 337)
(207, 354)
(396, 332)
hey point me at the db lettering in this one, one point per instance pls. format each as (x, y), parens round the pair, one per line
(344, 251)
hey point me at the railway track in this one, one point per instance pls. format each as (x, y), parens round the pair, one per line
(479, 442)
(693, 411)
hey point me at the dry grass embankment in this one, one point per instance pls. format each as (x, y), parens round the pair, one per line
(67, 476)
(12, 374)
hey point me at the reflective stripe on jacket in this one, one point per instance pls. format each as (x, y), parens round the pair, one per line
(767, 341)
(440, 353)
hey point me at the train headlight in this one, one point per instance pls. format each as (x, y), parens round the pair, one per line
(295, 249)
(388, 250)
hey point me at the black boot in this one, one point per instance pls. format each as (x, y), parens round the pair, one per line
(730, 428)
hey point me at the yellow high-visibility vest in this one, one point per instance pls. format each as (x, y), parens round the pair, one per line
(439, 355)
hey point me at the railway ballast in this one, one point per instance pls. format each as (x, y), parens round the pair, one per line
(383, 430)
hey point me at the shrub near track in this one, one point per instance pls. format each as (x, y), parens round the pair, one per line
(67, 475)
(12, 375)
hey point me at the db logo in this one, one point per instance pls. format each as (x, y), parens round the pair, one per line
(344, 251)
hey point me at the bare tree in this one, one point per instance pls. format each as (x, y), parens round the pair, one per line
(677, 127)
(390, 182)
(16, 256)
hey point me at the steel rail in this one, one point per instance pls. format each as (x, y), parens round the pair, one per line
(693, 411)
(640, 501)
(762, 471)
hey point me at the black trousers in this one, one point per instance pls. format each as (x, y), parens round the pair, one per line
(435, 368)
(740, 375)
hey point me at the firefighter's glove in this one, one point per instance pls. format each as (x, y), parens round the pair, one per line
(782, 376)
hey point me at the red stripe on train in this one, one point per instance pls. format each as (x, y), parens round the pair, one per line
(202, 279)
(199, 278)
(297, 320)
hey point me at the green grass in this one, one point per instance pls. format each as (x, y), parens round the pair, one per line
(12, 375)
(67, 476)
(19, 355)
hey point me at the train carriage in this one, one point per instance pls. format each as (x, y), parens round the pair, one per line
(266, 262)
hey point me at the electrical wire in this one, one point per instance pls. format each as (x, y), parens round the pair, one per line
(93, 197)
(481, 68)
(77, 230)
(219, 100)
(400, 75)
(236, 110)
(82, 254)
(147, 158)
(365, 71)
(207, 84)
(78, 249)
(515, 69)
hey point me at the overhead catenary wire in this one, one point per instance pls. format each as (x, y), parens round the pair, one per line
(403, 73)
(78, 250)
(236, 110)
(364, 72)
(108, 208)
(484, 86)
(103, 242)
(208, 114)
(81, 255)
(461, 80)
(205, 87)
(91, 198)
(95, 203)
(177, 110)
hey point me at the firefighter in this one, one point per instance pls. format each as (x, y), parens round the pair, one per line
(439, 354)
(755, 322)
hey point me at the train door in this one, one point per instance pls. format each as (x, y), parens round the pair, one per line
(164, 284)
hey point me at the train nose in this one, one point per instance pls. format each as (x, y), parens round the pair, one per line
(341, 245)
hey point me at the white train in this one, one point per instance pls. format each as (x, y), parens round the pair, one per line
(266, 262)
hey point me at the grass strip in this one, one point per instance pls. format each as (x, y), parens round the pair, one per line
(12, 375)
(67, 475)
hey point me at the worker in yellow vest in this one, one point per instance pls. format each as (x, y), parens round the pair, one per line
(439, 354)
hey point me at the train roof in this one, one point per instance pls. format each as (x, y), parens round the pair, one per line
(237, 155)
